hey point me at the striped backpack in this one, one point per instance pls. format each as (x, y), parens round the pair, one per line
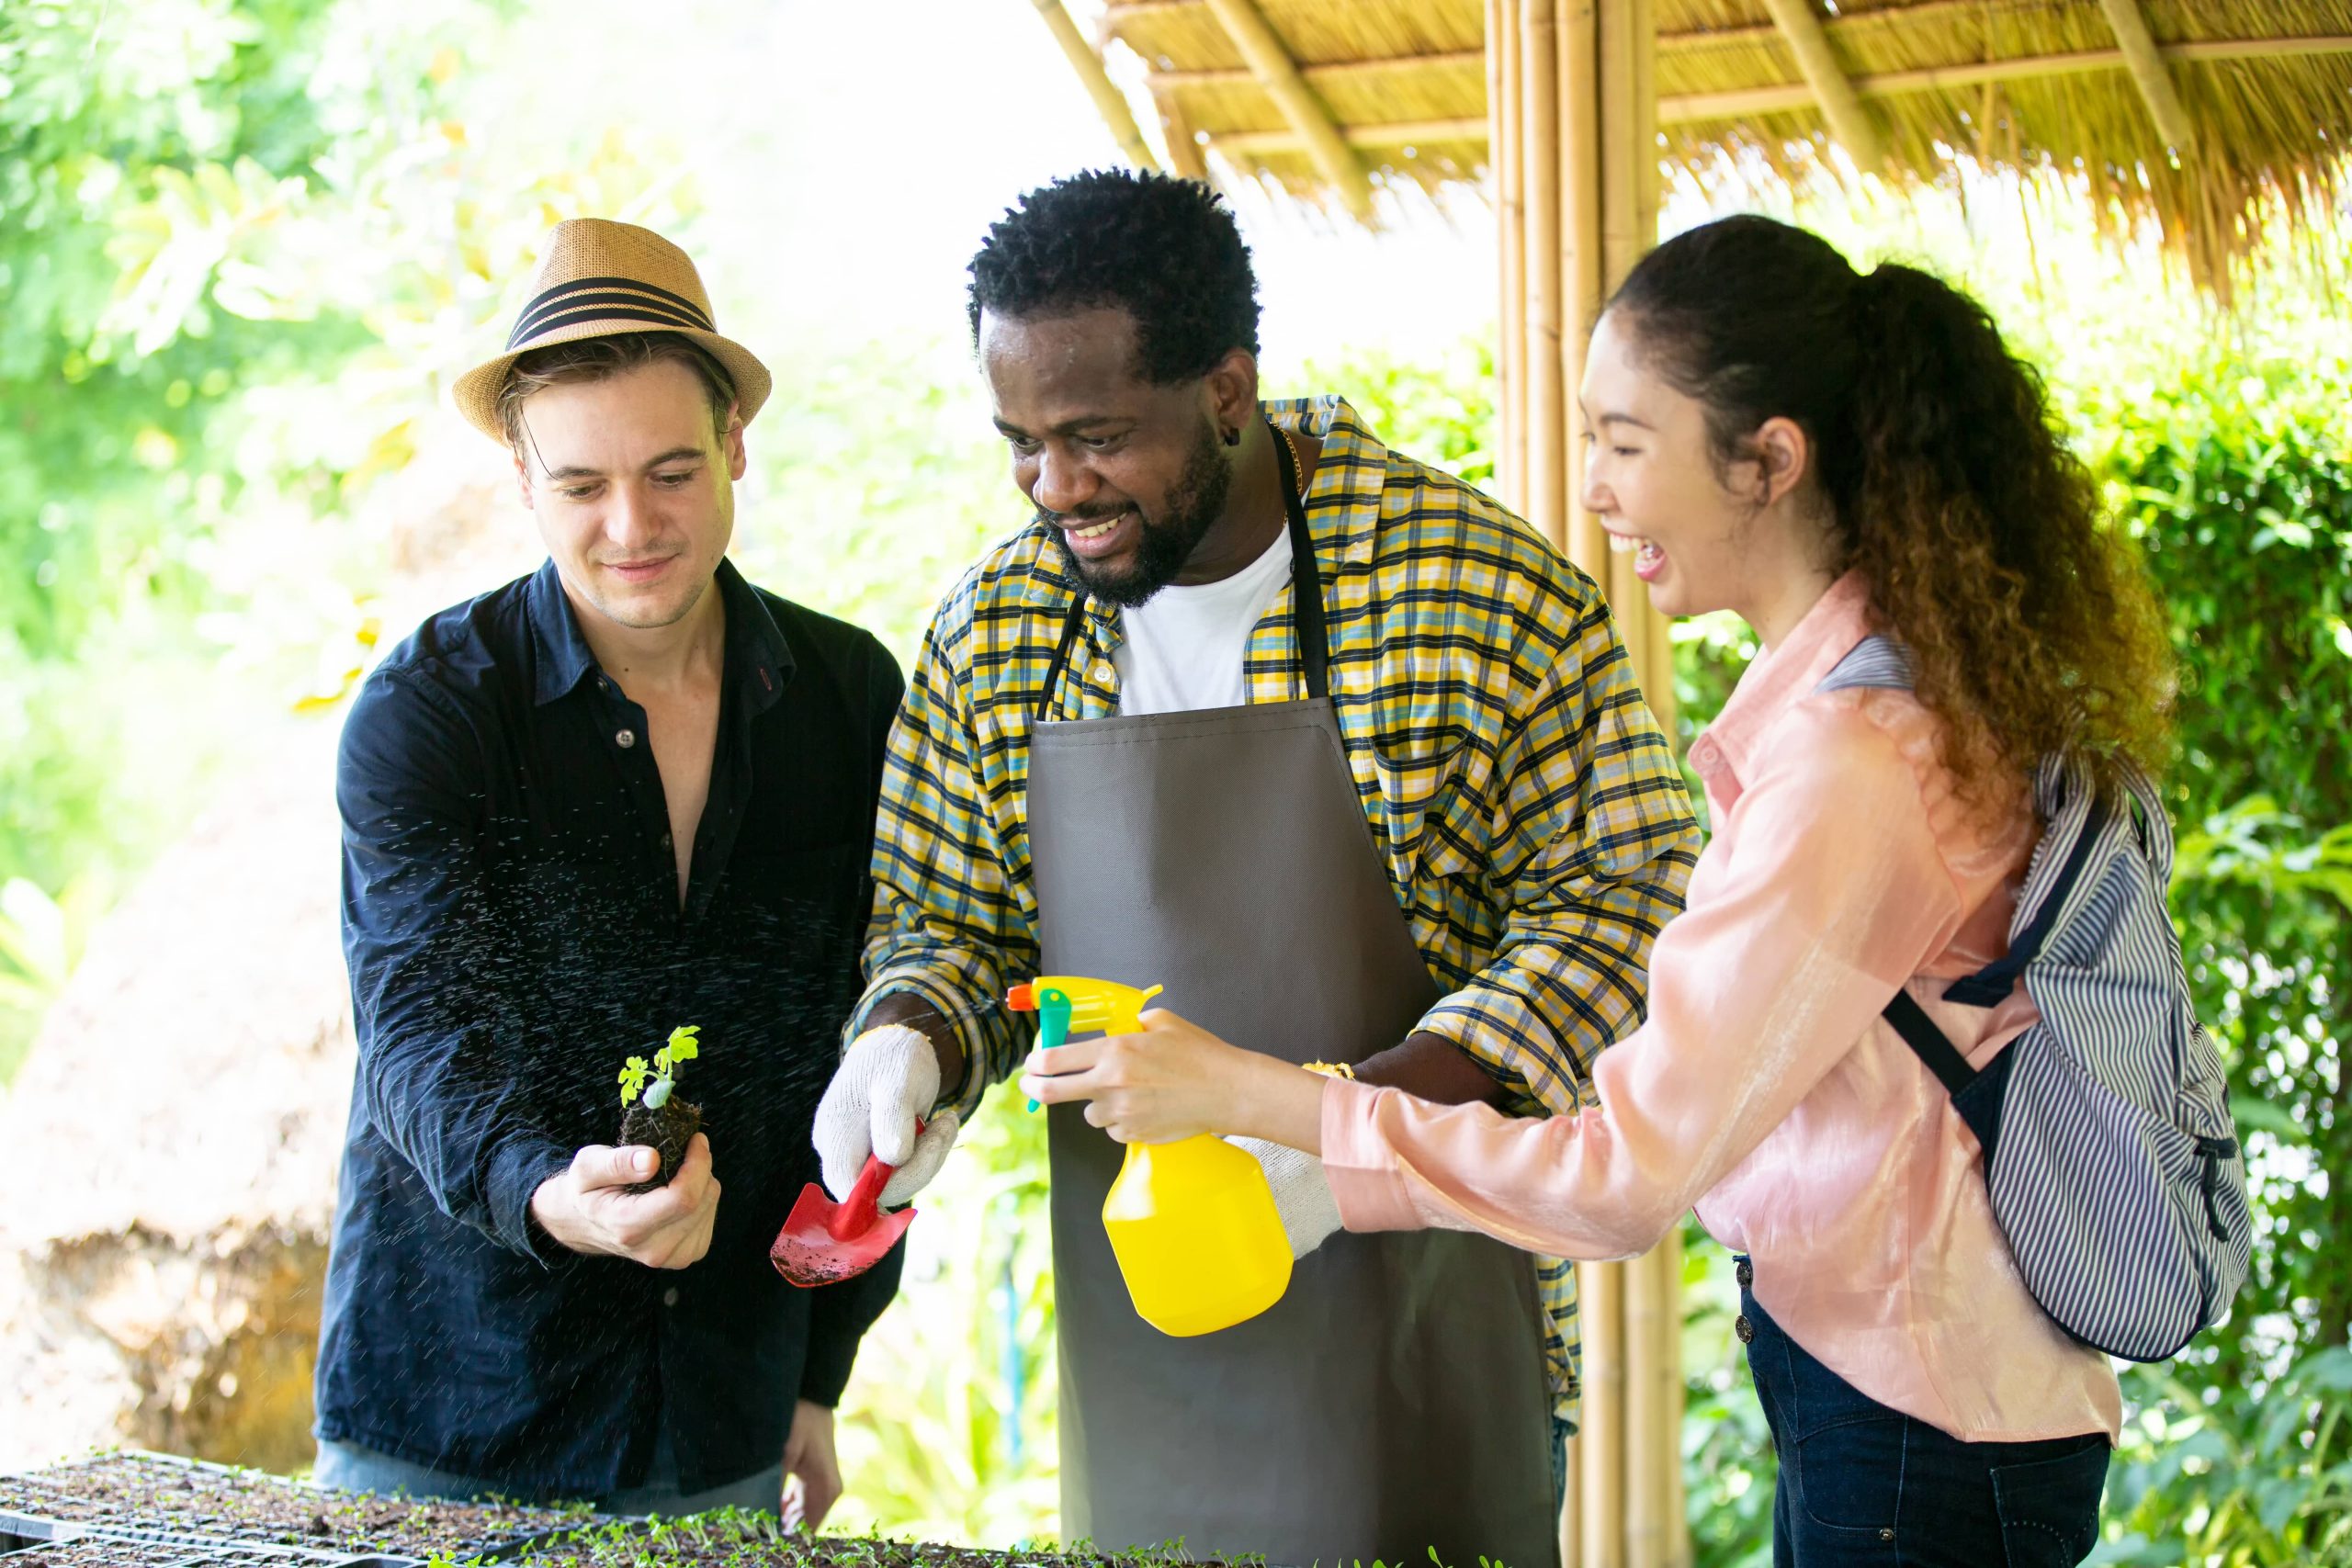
(2113, 1163)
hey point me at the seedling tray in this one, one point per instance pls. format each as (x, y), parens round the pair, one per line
(729, 1539)
(163, 1497)
(120, 1551)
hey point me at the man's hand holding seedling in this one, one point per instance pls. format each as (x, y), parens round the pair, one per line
(591, 1207)
(616, 1199)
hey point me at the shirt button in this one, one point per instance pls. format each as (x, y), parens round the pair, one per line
(665, 840)
(1745, 1273)
(1704, 753)
(670, 1297)
(625, 738)
(1744, 1329)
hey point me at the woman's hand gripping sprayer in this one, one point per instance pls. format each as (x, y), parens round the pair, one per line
(1155, 1079)
(1192, 1219)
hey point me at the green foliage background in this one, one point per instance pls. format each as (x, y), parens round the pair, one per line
(242, 240)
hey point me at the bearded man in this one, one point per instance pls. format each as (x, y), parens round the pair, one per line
(1350, 760)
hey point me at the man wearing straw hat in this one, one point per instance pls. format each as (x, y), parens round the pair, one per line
(1351, 762)
(627, 793)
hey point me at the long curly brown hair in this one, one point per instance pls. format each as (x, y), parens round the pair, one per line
(2031, 626)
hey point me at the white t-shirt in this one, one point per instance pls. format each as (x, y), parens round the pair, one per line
(1182, 650)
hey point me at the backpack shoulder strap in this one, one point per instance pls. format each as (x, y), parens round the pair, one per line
(1880, 662)
(1875, 660)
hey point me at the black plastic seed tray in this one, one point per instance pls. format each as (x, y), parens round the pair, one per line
(166, 1498)
(118, 1552)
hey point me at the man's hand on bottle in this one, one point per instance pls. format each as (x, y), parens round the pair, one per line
(589, 1208)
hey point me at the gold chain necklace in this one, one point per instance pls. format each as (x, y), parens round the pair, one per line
(1298, 464)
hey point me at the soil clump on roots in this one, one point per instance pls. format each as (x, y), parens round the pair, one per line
(668, 1130)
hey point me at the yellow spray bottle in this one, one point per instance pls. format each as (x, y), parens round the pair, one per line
(1193, 1224)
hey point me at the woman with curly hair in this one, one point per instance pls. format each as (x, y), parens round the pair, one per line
(1832, 456)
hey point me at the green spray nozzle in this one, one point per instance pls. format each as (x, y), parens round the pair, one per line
(1064, 1002)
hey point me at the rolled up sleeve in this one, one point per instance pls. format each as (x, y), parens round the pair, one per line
(948, 927)
(1592, 841)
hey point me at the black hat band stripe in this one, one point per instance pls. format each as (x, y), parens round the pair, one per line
(564, 294)
(627, 310)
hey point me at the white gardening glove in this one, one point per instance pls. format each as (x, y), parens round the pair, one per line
(1302, 1192)
(887, 1083)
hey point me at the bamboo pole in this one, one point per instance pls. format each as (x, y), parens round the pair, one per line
(1668, 1368)
(1573, 156)
(1652, 1435)
(1109, 102)
(1263, 51)
(1601, 1295)
(1734, 103)
(1370, 133)
(1600, 1447)
(1631, 232)
(2255, 48)
(1577, 253)
(1649, 1432)
(1504, 160)
(1542, 153)
(1176, 127)
(1572, 1506)
(1600, 202)
(1316, 75)
(1840, 105)
(2147, 68)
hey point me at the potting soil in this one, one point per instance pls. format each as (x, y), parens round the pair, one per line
(669, 1130)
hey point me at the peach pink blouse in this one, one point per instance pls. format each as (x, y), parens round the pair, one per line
(1766, 1089)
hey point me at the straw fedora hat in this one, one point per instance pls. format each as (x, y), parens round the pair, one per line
(599, 278)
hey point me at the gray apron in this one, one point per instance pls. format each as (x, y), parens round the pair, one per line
(1396, 1398)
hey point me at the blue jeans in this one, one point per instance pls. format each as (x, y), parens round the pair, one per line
(1863, 1484)
(354, 1469)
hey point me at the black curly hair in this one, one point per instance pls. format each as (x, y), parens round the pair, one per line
(1164, 250)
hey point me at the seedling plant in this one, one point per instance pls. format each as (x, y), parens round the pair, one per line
(652, 1114)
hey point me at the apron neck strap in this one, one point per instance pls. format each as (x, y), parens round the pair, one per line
(1306, 577)
(1306, 597)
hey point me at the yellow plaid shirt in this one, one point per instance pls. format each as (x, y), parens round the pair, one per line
(1530, 815)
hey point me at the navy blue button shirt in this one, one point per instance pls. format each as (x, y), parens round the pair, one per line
(511, 921)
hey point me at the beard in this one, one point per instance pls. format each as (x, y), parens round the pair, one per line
(1191, 509)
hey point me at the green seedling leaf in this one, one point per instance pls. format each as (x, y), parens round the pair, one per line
(632, 1079)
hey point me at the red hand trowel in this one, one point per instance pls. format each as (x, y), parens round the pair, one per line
(824, 1243)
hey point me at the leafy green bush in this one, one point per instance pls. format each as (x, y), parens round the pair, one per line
(169, 174)
(239, 241)
(2236, 1482)
(2236, 478)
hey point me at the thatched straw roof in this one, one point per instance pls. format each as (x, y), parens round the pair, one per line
(2196, 114)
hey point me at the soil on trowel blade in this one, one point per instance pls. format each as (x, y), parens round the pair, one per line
(669, 1130)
